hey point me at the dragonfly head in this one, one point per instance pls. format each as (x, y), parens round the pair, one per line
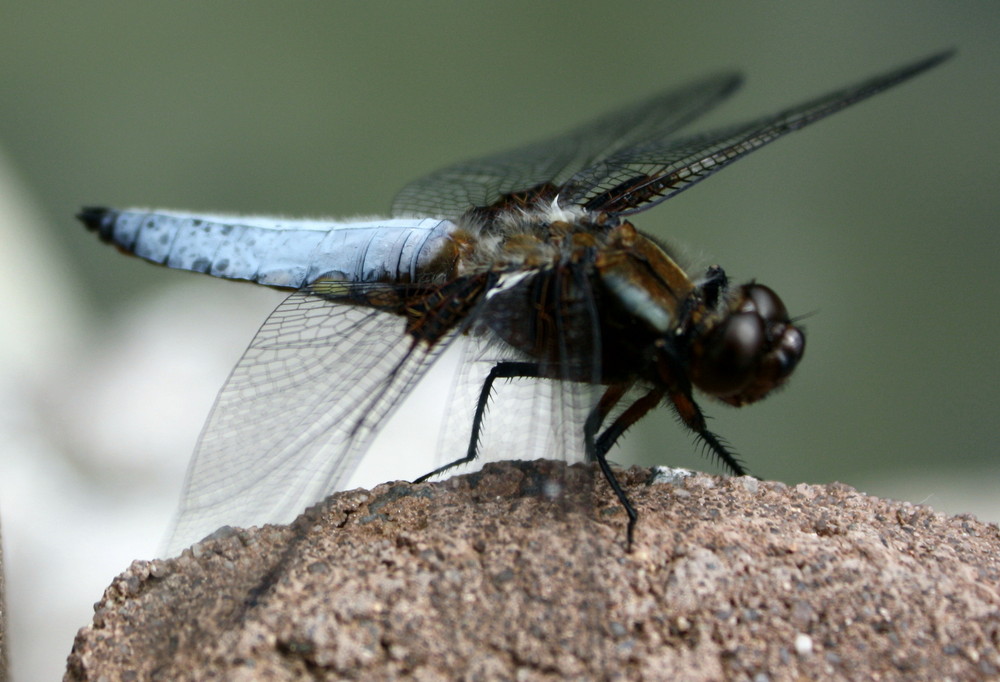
(751, 350)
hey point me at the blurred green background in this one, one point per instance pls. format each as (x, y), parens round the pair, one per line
(881, 220)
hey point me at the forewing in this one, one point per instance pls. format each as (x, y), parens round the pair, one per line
(298, 411)
(481, 182)
(639, 176)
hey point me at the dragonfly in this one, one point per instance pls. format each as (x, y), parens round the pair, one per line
(530, 255)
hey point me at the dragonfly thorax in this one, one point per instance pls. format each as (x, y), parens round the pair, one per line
(528, 237)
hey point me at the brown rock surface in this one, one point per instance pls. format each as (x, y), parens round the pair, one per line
(484, 577)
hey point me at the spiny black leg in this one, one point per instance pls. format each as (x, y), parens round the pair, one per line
(691, 415)
(626, 419)
(722, 452)
(608, 400)
(502, 370)
(595, 452)
(679, 392)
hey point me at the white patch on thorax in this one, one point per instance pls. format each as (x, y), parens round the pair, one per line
(494, 242)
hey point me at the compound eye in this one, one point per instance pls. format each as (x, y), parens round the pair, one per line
(731, 354)
(789, 351)
(767, 304)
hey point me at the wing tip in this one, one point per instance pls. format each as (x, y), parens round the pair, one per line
(933, 60)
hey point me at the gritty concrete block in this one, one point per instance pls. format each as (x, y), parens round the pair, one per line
(487, 576)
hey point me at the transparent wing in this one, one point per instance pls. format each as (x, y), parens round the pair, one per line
(451, 191)
(537, 408)
(297, 412)
(526, 418)
(630, 160)
(637, 178)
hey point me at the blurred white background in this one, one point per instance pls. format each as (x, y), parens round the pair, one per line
(882, 220)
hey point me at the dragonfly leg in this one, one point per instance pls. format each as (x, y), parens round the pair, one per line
(686, 409)
(678, 390)
(689, 412)
(502, 370)
(598, 446)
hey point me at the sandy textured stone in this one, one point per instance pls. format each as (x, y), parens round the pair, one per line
(485, 577)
